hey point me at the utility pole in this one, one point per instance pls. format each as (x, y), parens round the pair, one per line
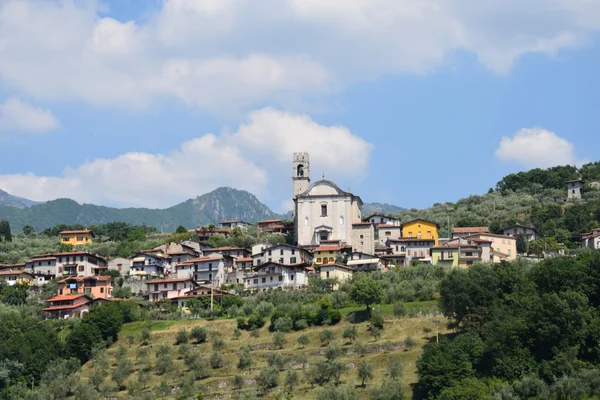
(437, 332)
(212, 296)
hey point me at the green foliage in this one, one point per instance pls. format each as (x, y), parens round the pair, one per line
(291, 380)
(267, 378)
(367, 291)
(331, 392)
(394, 367)
(181, 229)
(409, 342)
(28, 230)
(245, 361)
(120, 374)
(551, 178)
(350, 333)
(199, 334)
(389, 390)
(279, 339)
(303, 339)
(399, 309)
(216, 360)
(14, 295)
(181, 336)
(5, 233)
(364, 372)
(284, 324)
(326, 336)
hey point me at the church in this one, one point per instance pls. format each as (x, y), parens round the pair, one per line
(323, 212)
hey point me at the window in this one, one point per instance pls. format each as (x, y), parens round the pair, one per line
(409, 252)
(210, 266)
(305, 221)
(291, 277)
(422, 254)
(292, 260)
(509, 252)
(396, 248)
(281, 261)
(210, 277)
(120, 267)
(327, 274)
(341, 220)
(66, 239)
(48, 262)
(324, 235)
(362, 236)
(293, 251)
(331, 252)
(271, 278)
(429, 234)
(81, 258)
(174, 286)
(323, 210)
(264, 280)
(155, 286)
(388, 233)
(469, 263)
(330, 259)
(101, 290)
(280, 278)
(498, 249)
(281, 252)
(409, 234)
(81, 268)
(60, 291)
(419, 234)
(80, 238)
(255, 281)
(318, 260)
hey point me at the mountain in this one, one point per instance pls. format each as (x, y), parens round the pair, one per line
(14, 201)
(210, 208)
(370, 208)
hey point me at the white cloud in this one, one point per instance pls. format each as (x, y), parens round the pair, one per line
(233, 55)
(16, 115)
(536, 147)
(254, 158)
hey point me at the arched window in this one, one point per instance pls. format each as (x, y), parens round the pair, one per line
(300, 170)
(341, 220)
(305, 221)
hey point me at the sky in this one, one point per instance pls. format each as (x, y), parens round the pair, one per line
(131, 103)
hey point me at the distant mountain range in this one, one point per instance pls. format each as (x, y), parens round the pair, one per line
(211, 208)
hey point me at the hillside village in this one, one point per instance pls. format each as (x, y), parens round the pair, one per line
(329, 238)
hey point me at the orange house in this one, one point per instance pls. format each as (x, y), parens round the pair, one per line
(94, 286)
(68, 306)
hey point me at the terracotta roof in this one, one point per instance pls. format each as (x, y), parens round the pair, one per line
(268, 221)
(65, 297)
(200, 259)
(169, 280)
(575, 180)
(336, 265)
(244, 259)
(412, 240)
(296, 265)
(42, 259)
(469, 229)
(13, 272)
(492, 235)
(480, 241)
(224, 248)
(329, 248)
(75, 231)
(58, 308)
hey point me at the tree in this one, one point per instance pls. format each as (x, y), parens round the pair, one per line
(181, 337)
(267, 378)
(291, 380)
(146, 332)
(236, 334)
(326, 336)
(120, 374)
(367, 291)
(164, 360)
(238, 381)
(331, 392)
(279, 339)
(521, 244)
(5, 232)
(350, 333)
(284, 324)
(181, 229)
(303, 339)
(245, 361)
(216, 360)
(394, 367)
(199, 334)
(28, 230)
(364, 372)
(14, 295)
(389, 390)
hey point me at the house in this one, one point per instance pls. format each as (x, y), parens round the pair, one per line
(159, 289)
(388, 231)
(145, 264)
(238, 271)
(206, 269)
(421, 229)
(591, 240)
(516, 230)
(382, 219)
(574, 189)
(391, 260)
(235, 223)
(276, 275)
(76, 263)
(327, 254)
(120, 264)
(336, 271)
(93, 286)
(363, 237)
(14, 276)
(365, 262)
(456, 255)
(68, 306)
(413, 248)
(76, 237)
(228, 251)
(468, 230)
(204, 232)
(502, 247)
(200, 291)
(282, 254)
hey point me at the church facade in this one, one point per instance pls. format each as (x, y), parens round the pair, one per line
(323, 211)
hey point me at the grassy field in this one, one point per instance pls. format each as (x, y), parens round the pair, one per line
(220, 383)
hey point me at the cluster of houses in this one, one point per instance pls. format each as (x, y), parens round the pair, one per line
(330, 236)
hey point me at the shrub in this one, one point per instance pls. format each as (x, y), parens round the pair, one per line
(218, 344)
(350, 333)
(300, 324)
(409, 342)
(216, 360)
(199, 334)
(146, 332)
(164, 363)
(377, 320)
(364, 372)
(255, 322)
(331, 392)
(238, 382)
(291, 380)
(245, 361)
(181, 337)
(360, 348)
(334, 316)
(399, 309)
(236, 334)
(267, 378)
(374, 331)
(279, 339)
(303, 339)
(264, 309)
(332, 352)
(394, 367)
(326, 336)
(184, 349)
(284, 324)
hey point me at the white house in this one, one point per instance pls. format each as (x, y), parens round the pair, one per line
(591, 240)
(364, 262)
(413, 249)
(61, 265)
(388, 231)
(516, 230)
(206, 269)
(282, 254)
(149, 264)
(382, 219)
(120, 264)
(159, 289)
(275, 275)
(574, 189)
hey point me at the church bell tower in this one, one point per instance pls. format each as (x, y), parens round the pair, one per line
(301, 173)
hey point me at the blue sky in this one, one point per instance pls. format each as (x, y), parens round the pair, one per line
(128, 103)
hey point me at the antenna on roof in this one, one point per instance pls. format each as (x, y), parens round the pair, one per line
(323, 175)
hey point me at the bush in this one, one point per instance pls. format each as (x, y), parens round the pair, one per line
(360, 348)
(181, 337)
(284, 324)
(334, 317)
(394, 367)
(331, 392)
(377, 320)
(279, 339)
(238, 382)
(409, 342)
(303, 339)
(300, 324)
(236, 334)
(267, 378)
(255, 333)
(245, 361)
(216, 360)
(350, 333)
(264, 309)
(364, 372)
(399, 309)
(218, 344)
(199, 334)
(326, 336)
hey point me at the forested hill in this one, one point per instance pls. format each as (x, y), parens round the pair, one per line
(210, 208)
(536, 198)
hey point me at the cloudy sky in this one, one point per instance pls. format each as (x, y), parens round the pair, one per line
(149, 103)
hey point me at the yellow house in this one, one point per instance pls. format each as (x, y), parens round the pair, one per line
(326, 254)
(76, 237)
(422, 229)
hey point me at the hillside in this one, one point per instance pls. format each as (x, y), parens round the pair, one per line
(210, 208)
(9, 200)
(370, 208)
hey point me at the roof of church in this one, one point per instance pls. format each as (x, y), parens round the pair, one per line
(331, 184)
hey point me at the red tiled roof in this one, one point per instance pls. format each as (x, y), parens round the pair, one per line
(75, 231)
(200, 259)
(58, 308)
(492, 235)
(65, 297)
(469, 229)
(244, 259)
(42, 258)
(224, 248)
(362, 223)
(480, 241)
(13, 272)
(412, 240)
(268, 220)
(329, 248)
